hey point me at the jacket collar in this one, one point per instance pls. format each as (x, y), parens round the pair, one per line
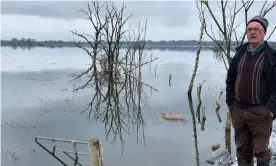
(268, 49)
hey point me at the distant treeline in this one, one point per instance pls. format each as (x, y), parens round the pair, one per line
(171, 45)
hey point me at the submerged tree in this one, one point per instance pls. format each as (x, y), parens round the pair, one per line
(117, 55)
(224, 31)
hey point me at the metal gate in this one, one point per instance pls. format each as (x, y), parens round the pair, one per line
(94, 148)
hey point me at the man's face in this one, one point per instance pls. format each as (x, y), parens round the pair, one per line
(255, 33)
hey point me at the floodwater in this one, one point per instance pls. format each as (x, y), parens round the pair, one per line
(37, 100)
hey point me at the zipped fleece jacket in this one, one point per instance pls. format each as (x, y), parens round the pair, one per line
(269, 70)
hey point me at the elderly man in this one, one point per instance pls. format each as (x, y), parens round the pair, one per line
(251, 94)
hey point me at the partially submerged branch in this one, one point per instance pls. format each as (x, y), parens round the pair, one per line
(199, 100)
(218, 106)
(203, 121)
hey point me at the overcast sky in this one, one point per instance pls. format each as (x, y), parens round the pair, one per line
(46, 20)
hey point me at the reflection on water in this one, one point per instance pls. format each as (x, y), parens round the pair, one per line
(194, 127)
(42, 98)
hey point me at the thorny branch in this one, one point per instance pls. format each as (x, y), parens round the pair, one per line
(115, 71)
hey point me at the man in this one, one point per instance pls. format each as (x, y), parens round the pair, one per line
(251, 94)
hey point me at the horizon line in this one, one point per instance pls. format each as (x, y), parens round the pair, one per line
(122, 40)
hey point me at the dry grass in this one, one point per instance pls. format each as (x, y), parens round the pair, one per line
(19, 126)
(10, 154)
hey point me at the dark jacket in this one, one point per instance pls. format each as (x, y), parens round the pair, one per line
(269, 70)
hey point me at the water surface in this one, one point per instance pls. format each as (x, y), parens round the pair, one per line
(36, 93)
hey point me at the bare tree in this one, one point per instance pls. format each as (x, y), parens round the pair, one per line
(189, 93)
(226, 24)
(203, 24)
(118, 87)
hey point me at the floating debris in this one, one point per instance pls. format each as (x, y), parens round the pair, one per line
(175, 117)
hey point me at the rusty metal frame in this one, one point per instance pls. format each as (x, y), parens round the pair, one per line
(52, 153)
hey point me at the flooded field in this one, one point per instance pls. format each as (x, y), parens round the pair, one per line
(37, 100)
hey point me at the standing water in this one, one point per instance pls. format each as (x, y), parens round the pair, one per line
(37, 100)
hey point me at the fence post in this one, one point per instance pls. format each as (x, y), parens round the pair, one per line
(228, 132)
(75, 151)
(92, 145)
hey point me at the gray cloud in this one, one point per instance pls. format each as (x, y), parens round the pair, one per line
(167, 20)
(56, 9)
(169, 13)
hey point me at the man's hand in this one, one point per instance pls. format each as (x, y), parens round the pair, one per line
(271, 113)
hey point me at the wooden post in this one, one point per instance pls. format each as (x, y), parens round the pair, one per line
(74, 148)
(228, 132)
(75, 151)
(155, 70)
(170, 78)
(203, 119)
(92, 145)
